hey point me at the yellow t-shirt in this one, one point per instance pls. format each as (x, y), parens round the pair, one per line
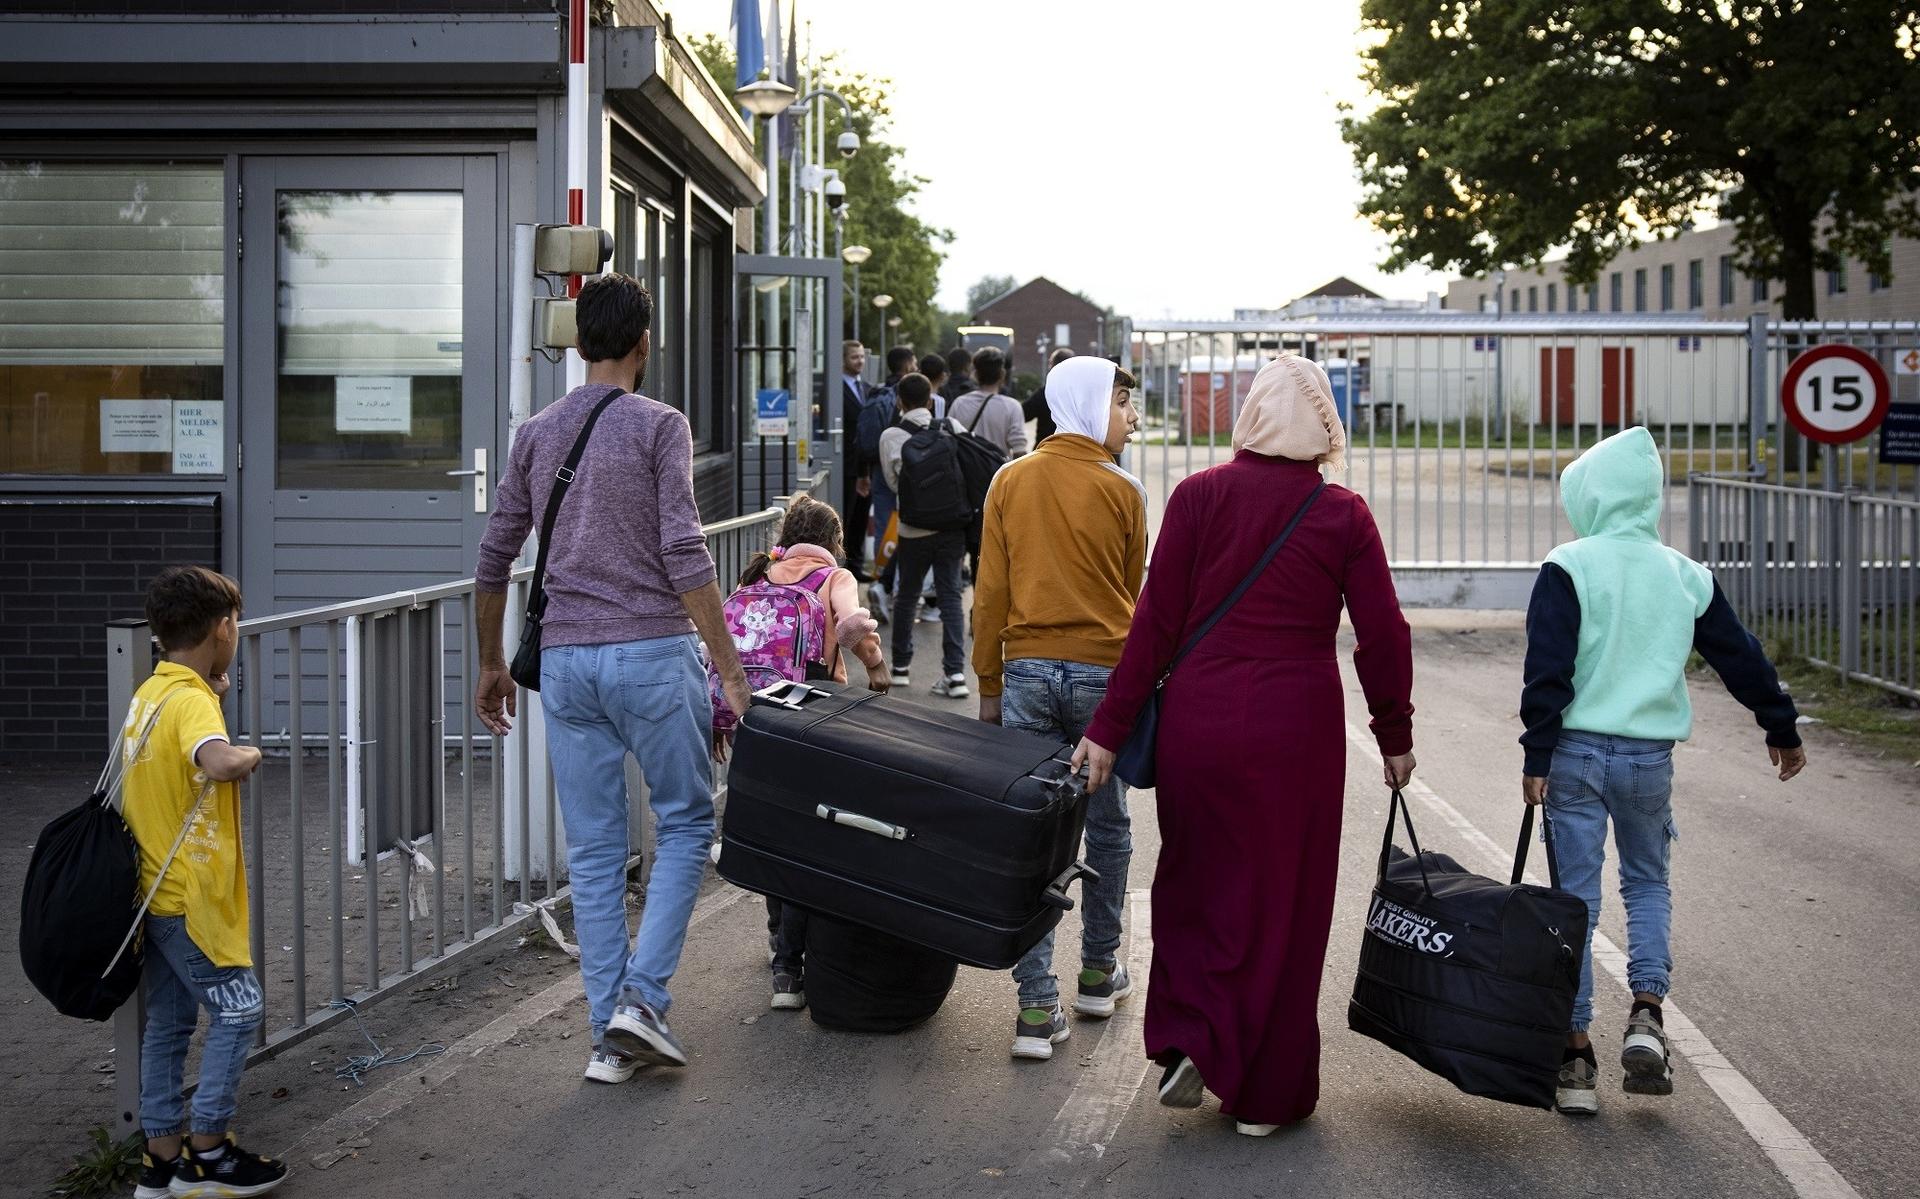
(207, 882)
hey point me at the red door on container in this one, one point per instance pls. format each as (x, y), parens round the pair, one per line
(1556, 386)
(1616, 386)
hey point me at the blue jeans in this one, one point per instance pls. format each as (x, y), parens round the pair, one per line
(1595, 776)
(1057, 699)
(602, 702)
(179, 981)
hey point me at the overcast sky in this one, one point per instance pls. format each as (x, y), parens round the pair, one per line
(1170, 159)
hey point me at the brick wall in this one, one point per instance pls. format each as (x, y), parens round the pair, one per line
(71, 565)
(1037, 309)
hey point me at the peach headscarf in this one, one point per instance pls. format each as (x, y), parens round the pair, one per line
(1289, 413)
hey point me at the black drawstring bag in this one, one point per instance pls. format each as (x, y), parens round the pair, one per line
(82, 888)
(1471, 978)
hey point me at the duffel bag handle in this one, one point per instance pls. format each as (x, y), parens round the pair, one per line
(1526, 835)
(1399, 803)
(1056, 892)
(789, 695)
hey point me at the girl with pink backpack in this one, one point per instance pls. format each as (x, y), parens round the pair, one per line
(796, 615)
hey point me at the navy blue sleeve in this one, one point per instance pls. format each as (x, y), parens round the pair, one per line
(1736, 656)
(1553, 644)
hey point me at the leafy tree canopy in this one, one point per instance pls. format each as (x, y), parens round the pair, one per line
(989, 289)
(907, 251)
(1509, 130)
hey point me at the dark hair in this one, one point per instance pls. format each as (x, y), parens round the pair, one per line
(1122, 377)
(808, 522)
(933, 366)
(900, 360)
(1059, 355)
(185, 602)
(959, 361)
(612, 314)
(989, 366)
(913, 391)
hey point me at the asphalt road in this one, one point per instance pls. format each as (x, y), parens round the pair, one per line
(1795, 951)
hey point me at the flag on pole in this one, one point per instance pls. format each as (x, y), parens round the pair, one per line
(788, 73)
(749, 51)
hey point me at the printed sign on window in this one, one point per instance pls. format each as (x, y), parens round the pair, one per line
(199, 437)
(136, 426)
(373, 404)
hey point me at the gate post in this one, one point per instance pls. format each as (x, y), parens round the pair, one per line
(1850, 567)
(1759, 393)
(129, 662)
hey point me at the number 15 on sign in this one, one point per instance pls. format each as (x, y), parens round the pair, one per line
(1835, 394)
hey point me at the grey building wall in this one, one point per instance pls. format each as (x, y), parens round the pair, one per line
(1848, 295)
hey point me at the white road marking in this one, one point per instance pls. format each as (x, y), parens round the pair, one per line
(360, 1119)
(1792, 1154)
(1105, 1091)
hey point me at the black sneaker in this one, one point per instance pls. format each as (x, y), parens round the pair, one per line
(1575, 1092)
(1101, 989)
(1643, 1054)
(1038, 1030)
(1181, 1085)
(156, 1177)
(638, 1032)
(788, 994)
(235, 1174)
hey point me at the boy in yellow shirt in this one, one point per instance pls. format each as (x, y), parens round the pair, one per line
(197, 953)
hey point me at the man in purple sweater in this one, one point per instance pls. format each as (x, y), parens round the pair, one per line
(629, 582)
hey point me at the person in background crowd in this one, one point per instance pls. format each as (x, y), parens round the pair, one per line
(900, 361)
(1252, 747)
(1035, 406)
(934, 367)
(1613, 617)
(856, 492)
(959, 374)
(944, 552)
(629, 582)
(1063, 549)
(994, 418)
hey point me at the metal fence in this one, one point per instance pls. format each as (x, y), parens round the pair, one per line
(1830, 576)
(1459, 425)
(463, 829)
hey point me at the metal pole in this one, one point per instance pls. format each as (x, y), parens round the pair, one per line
(129, 662)
(856, 303)
(576, 151)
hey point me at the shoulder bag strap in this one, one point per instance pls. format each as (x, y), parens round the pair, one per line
(115, 772)
(562, 478)
(1246, 584)
(206, 789)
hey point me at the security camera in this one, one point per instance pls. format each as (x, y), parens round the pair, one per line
(848, 143)
(836, 193)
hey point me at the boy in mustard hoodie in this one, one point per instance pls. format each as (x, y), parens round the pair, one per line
(1063, 551)
(1612, 620)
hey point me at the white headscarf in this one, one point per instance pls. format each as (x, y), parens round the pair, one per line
(1289, 413)
(1080, 395)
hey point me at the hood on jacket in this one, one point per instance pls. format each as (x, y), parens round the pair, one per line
(1614, 489)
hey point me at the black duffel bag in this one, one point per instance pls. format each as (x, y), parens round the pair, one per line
(864, 980)
(1471, 978)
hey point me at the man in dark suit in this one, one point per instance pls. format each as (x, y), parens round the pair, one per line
(856, 488)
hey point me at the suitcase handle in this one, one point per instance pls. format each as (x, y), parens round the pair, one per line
(866, 824)
(789, 695)
(1056, 893)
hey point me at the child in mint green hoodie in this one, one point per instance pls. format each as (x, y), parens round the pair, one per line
(1612, 620)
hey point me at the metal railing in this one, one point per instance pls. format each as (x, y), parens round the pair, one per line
(1459, 424)
(1829, 576)
(362, 708)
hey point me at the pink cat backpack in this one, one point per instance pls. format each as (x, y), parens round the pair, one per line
(779, 629)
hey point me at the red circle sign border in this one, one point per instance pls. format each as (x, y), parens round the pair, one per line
(1883, 394)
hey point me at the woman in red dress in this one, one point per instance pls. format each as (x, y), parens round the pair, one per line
(1253, 748)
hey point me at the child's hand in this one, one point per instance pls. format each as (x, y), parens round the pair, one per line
(253, 760)
(878, 679)
(1790, 761)
(1533, 789)
(221, 684)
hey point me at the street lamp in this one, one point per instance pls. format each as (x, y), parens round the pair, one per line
(881, 301)
(854, 256)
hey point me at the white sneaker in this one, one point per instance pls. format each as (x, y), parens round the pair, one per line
(879, 603)
(929, 613)
(1038, 1030)
(902, 677)
(954, 686)
(1253, 1130)
(608, 1067)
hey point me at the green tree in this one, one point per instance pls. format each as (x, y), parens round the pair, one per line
(1506, 131)
(989, 289)
(907, 251)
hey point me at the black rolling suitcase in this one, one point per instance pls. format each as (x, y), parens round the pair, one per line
(958, 836)
(1470, 977)
(863, 980)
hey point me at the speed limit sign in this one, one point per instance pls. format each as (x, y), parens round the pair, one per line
(1835, 394)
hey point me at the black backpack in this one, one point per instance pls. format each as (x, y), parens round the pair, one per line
(980, 460)
(81, 893)
(877, 412)
(933, 487)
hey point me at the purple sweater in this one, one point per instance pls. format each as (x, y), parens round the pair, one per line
(627, 542)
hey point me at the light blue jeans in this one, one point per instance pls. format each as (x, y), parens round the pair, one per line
(179, 981)
(1595, 777)
(1057, 699)
(602, 702)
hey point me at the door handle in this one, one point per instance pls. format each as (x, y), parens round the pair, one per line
(479, 476)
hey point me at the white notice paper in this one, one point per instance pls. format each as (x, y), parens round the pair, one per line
(373, 404)
(136, 426)
(199, 437)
